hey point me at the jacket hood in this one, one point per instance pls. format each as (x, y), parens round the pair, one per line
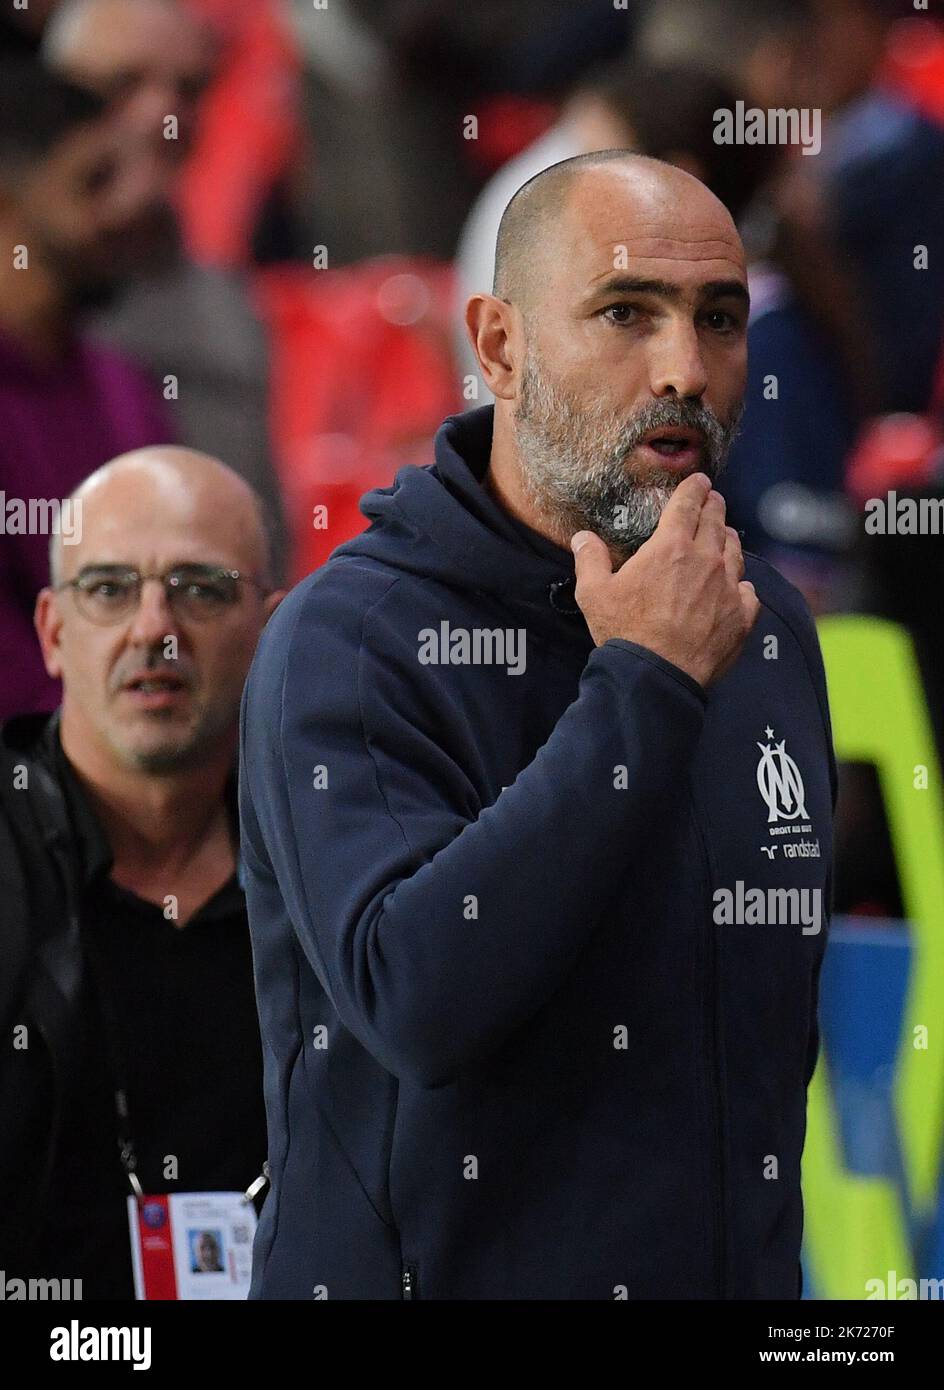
(438, 522)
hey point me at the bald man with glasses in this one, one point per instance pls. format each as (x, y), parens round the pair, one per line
(138, 1070)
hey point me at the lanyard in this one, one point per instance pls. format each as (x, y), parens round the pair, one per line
(117, 1072)
(115, 1069)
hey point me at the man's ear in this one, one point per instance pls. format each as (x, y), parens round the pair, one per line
(48, 623)
(494, 330)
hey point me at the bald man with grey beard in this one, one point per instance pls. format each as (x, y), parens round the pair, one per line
(502, 758)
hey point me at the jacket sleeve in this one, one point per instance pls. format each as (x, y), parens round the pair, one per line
(437, 925)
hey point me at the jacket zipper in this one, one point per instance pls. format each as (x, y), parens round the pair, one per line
(408, 1279)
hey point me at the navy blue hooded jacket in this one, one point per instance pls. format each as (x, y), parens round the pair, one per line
(509, 1051)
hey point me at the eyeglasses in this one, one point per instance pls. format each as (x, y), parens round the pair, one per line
(109, 593)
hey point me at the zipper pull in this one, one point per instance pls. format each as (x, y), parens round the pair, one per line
(409, 1282)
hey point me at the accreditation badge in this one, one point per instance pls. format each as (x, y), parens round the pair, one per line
(191, 1245)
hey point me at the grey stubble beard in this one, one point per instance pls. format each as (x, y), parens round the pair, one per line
(574, 461)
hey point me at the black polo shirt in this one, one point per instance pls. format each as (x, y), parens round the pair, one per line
(184, 1033)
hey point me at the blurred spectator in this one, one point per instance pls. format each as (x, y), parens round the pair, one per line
(348, 78)
(876, 189)
(441, 75)
(750, 43)
(148, 58)
(152, 61)
(73, 200)
(882, 166)
(126, 946)
(783, 482)
(846, 230)
(761, 49)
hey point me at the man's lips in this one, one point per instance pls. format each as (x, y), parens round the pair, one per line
(155, 690)
(673, 447)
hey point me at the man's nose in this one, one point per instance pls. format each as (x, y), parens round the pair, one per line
(154, 617)
(676, 366)
(149, 105)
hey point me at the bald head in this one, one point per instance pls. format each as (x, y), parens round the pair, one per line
(148, 488)
(552, 210)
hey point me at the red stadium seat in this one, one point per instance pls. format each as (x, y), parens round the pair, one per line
(362, 376)
(249, 129)
(896, 453)
(915, 64)
(507, 124)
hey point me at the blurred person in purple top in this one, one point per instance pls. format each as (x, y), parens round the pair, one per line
(74, 219)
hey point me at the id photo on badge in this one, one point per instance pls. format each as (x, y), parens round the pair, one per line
(206, 1252)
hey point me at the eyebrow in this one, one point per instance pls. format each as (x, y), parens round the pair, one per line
(112, 568)
(662, 289)
(93, 568)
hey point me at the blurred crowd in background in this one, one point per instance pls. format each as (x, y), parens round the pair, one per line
(251, 226)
